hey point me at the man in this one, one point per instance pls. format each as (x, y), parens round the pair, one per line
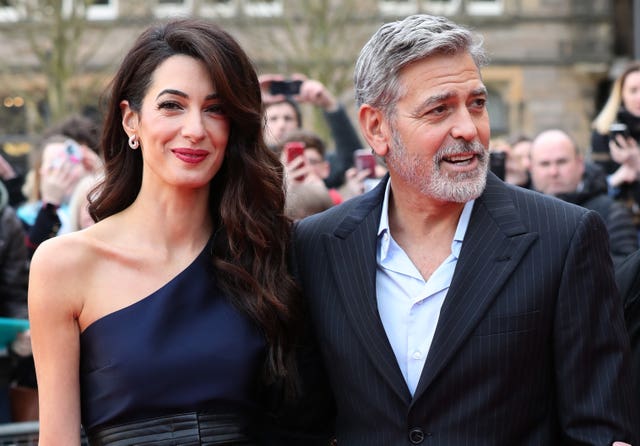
(557, 168)
(449, 307)
(283, 115)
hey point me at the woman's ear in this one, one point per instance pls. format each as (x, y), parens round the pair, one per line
(374, 128)
(129, 118)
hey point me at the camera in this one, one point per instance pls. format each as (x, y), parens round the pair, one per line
(287, 88)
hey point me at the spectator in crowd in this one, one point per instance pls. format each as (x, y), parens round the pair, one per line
(314, 160)
(620, 155)
(57, 166)
(282, 115)
(82, 129)
(517, 163)
(181, 310)
(558, 168)
(450, 307)
(510, 160)
(628, 280)
(14, 273)
(12, 181)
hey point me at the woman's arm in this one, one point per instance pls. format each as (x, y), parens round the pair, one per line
(56, 344)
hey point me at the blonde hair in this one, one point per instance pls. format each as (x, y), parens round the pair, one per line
(609, 112)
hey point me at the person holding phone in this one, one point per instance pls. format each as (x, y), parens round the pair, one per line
(615, 139)
(173, 318)
(303, 154)
(283, 96)
(57, 164)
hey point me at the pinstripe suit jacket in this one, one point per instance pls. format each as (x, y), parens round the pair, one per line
(530, 347)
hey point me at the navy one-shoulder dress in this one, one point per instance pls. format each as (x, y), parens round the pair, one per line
(184, 349)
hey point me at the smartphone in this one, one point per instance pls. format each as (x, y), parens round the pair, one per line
(497, 162)
(72, 153)
(618, 128)
(288, 88)
(364, 159)
(293, 150)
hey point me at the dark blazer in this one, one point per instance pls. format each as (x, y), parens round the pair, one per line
(530, 347)
(628, 279)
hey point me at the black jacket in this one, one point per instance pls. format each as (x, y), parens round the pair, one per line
(623, 236)
(14, 261)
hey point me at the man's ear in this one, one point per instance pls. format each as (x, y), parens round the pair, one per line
(129, 118)
(374, 128)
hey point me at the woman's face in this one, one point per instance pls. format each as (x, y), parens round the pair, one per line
(631, 93)
(182, 127)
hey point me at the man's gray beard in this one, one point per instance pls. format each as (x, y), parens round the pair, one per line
(427, 176)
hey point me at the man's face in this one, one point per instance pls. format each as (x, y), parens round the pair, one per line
(556, 168)
(281, 119)
(440, 129)
(317, 162)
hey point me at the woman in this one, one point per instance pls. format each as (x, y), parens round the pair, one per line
(620, 155)
(163, 319)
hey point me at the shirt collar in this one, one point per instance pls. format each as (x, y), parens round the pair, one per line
(458, 237)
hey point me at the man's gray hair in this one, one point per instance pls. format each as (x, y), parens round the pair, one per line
(397, 44)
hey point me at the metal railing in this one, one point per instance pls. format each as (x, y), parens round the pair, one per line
(23, 434)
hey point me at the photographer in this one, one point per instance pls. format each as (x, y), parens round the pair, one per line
(619, 154)
(281, 97)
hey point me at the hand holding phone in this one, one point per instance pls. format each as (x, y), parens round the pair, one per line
(618, 128)
(364, 159)
(293, 150)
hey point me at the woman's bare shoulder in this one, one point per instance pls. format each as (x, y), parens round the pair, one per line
(63, 252)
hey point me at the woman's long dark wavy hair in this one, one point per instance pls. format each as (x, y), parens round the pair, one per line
(246, 195)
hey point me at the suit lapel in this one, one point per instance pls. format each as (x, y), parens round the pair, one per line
(352, 253)
(494, 244)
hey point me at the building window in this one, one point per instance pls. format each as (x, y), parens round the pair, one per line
(498, 113)
(7, 12)
(485, 7)
(219, 8)
(103, 10)
(173, 8)
(263, 8)
(441, 7)
(398, 7)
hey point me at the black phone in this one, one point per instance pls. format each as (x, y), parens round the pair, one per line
(618, 128)
(288, 88)
(497, 161)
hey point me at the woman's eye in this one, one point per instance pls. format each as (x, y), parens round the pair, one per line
(169, 105)
(216, 108)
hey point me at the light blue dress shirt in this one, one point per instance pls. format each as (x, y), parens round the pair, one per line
(409, 307)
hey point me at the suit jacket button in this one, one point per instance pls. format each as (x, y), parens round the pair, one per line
(416, 435)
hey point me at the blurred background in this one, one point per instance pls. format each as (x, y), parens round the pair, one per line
(552, 61)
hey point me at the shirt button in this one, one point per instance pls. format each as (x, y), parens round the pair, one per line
(417, 354)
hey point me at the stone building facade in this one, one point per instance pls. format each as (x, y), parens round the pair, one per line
(551, 60)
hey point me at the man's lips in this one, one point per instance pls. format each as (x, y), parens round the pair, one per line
(460, 159)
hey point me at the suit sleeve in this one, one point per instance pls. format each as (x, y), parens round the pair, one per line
(591, 346)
